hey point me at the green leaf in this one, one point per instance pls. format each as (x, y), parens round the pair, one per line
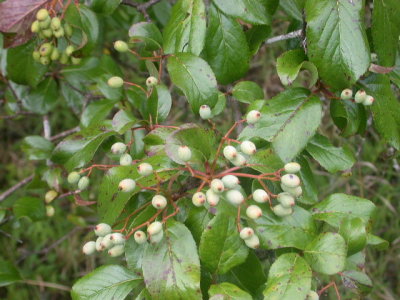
(247, 91)
(148, 33)
(159, 104)
(256, 36)
(197, 221)
(355, 279)
(336, 40)
(265, 161)
(293, 8)
(228, 290)
(37, 147)
(106, 283)
(195, 78)
(8, 273)
(327, 253)
(30, 207)
(332, 158)
(289, 278)
(221, 247)
(349, 117)
(95, 113)
(386, 30)
(226, 47)
(377, 242)
(252, 11)
(134, 253)
(288, 120)
(354, 233)
(289, 65)
(186, 29)
(220, 105)
(171, 268)
(308, 184)
(105, 7)
(122, 121)
(43, 98)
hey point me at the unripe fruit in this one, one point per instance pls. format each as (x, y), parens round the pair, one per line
(151, 81)
(117, 238)
(290, 180)
(156, 238)
(47, 33)
(286, 200)
(50, 196)
(117, 250)
(68, 30)
(55, 54)
(42, 14)
(253, 116)
(205, 112)
(235, 197)
(36, 55)
(45, 49)
(253, 242)
(55, 23)
(35, 27)
(76, 60)
(246, 233)
(58, 33)
(281, 211)
(248, 148)
(159, 202)
(83, 183)
(212, 198)
(115, 82)
(69, 50)
(140, 237)
(239, 160)
(253, 212)
(154, 228)
(230, 152)
(369, 100)
(292, 167)
(184, 153)
(198, 199)
(145, 169)
(98, 244)
(89, 248)
(217, 186)
(312, 296)
(50, 211)
(44, 60)
(346, 94)
(45, 23)
(260, 196)
(64, 58)
(102, 229)
(230, 181)
(121, 46)
(360, 96)
(118, 148)
(106, 242)
(127, 185)
(125, 160)
(73, 177)
(295, 192)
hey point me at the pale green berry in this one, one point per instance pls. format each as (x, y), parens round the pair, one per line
(102, 229)
(121, 46)
(76, 60)
(115, 82)
(73, 177)
(184, 153)
(246, 233)
(239, 160)
(98, 244)
(156, 238)
(36, 55)
(50, 211)
(59, 33)
(230, 152)
(292, 167)
(346, 94)
(118, 148)
(55, 54)
(217, 186)
(290, 180)
(45, 49)
(253, 212)
(68, 30)
(145, 169)
(140, 237)
(312, 296)
(127, 185)
(106, 242)
(360, 96)
(253, 242)
(42, 14)
(44, 60)
(295, 192)
(35, 27)
(55, 23)
(159, 202)
(281, 211)
(154, 228)
(260, 196)
(89, 248)
(69, 50)
(47, 33)
(286, 199)
(248, 148)
(50, 196)
(205, 112)
(117, 250)
(212, 198)
(125, 159)
(151, 81)
(45, 24)
(83, 183)
(64, 58)
(235, 197)
(198, 199)
(253, 116)
(230, 181)
(118, 238)
(369, 100)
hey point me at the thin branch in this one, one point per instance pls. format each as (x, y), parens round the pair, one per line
(48, 284)
(12, 189)
(64, 133)
(46, 127)
(283, 37)
(142, 7)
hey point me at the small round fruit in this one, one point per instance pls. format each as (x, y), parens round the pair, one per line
(115, 82)
(290, 180)
(145, 169)
(50, 196)
(118, 148)
(239, 160)
(253, 116)
(125, 159)
(116, 251)
(217, 186)
(127, 185)
(246, 233)
(312, 296)
(89, 248)
(55, 23)
(230, 181)
(106, 242)
(64, 58)
(73, 177)
(121, 46)
(35, 27)
(184, 153)
(156, 238)
(154, 228)
(102, 229)
(230, 152)
(235, 197)
(55, 54)
(83, 183)
(369, 100)
(292, 167)
(42, 14)
(76, 60)
(260, 196)
(248, 148)
(151, 81)
(45, 24)
(346, 94)
(59, 33)
(44, 60)
(198, 199)
(69, 50)
(212, 198)
(281, 211)
(118, 238)
(159, 202)
(50, 211)
(205, 112)
(140, 237)
(286, 199)
(68, 30)
(36, 55)
(98, 244)
(253, 242)
(253, 212)
(47, 33)
(295, 192)
(360, 96)
(45, 49)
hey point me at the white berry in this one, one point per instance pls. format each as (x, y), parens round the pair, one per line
(198, 199)
(248, 148)
(117, 238)
(205, 112)
(159, 202)
(286, 199)
(118, 148)
(151, 81)
(253, 212)
(117, 250)
(281, 211)
(260, 196)
(239, 160)
(369, 100)
(312, 295)
(140, 237)
(230, 152)
(73, 177)
(235, 197)
(145, 169)
(253, 116)
(360, 96)
(106, 242)
(212, 198)
(253, 242)
(89, 248)
(230, 181)
(154, 228)
(184, 153)
(125, 160)
(295, 192)
(83, 183)
(127, 185)
(346, 94)
(102, 229)
(292, 167)
(290, 180)
(156, 238)
(246, 233)
(50, 196)
(98, 244)
(217, 186)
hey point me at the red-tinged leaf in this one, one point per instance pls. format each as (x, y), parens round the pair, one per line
(380, 69)
(80, 202)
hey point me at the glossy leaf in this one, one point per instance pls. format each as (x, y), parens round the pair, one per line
(349, 117)
(43, 98)
(354, 233)
(252, 11)
(148, 33)
(308, 183)
(247, 92)
(228, 290)
(106, 7)
(377, 242)
(8, 273)
(159, 104)
(30, 207)
(122, 121)
(37, 147)
(95, 113)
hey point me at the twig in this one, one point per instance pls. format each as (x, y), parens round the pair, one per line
(48, 284)
(142, 7)
(46, 127)
(64, 133)
(12, 189)
(282, 37)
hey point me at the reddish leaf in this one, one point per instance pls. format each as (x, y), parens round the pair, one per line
(80, 202)
(380, 69)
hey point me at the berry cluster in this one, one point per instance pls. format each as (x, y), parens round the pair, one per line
(56, 35)
(48, 198)
(360, 97)
(81, 182)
